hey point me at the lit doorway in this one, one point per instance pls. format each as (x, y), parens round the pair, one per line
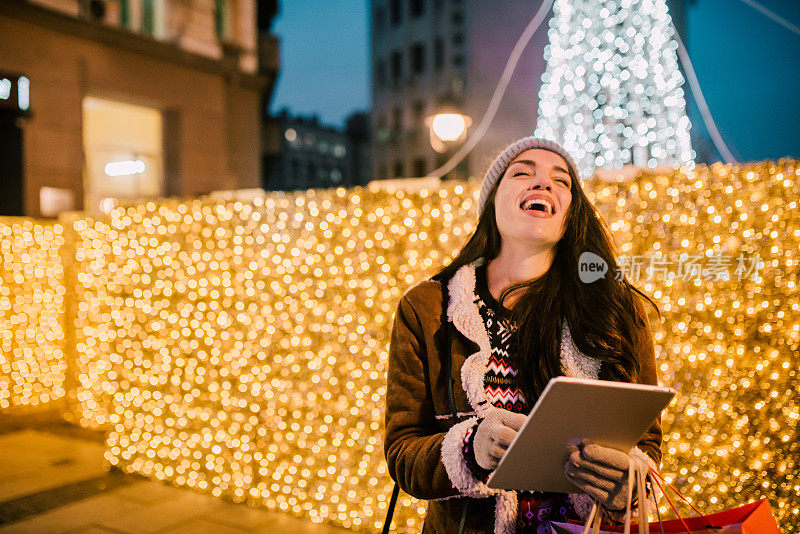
(123, 147)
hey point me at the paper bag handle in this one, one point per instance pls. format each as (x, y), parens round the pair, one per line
(639, 469)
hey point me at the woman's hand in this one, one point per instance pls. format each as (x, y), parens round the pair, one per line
(602, 472)
(494, 434)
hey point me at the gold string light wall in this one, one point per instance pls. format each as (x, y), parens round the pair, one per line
(32, 363)
(239, 348)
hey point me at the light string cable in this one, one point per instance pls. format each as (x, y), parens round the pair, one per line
(774, 16)
(499, 91)
(722, 148)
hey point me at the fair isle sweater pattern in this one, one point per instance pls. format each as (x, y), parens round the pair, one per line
(533, 508)
(501, 375)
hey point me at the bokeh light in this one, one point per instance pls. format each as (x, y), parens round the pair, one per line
(32, 363)
(240, 348)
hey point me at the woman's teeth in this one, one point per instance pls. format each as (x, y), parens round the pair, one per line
(538, 205)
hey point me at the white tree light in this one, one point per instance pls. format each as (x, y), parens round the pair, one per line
(612, 92)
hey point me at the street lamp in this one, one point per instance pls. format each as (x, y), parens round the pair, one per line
(447, 129)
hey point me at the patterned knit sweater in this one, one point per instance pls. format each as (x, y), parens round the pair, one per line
(535, 509)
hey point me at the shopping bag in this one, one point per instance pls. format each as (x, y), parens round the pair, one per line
(751, 518)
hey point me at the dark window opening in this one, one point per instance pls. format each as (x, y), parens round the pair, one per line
(397, 67)
(380, 19)
(458, 60)
(419, 167)
(418, 58)
(398, 169)
(380, 73)
(419, 110)
(395, 12)
(417, 8)
(438, 53)
(397, 121)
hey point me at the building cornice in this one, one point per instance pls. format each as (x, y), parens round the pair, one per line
(128, 41)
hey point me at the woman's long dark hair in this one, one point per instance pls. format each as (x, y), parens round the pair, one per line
(603, 316)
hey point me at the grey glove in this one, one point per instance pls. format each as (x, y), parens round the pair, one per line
(602, 472)
(494, 434)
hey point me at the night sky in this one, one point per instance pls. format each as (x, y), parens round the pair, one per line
(746, 63)
(324, 58)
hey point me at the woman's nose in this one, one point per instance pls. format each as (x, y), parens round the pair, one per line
(540, 182)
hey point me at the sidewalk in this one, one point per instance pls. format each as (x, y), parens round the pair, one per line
(52, 481)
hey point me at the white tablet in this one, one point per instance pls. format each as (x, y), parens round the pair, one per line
(613, 414)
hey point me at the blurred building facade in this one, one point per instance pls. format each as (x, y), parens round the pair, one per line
(133, 99)
(435, 56)
(313, 155)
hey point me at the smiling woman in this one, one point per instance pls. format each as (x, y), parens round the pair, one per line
(531, 204)
(504, 317)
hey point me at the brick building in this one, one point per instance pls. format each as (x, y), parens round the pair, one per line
(129, 99)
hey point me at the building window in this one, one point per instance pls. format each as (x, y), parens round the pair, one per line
(418, 58)
(438, 53)
(398, 169)
(458, 39)
(397, 121)
(417, 8)
(127, 163)
(380, 73)
(396, 12)
(148, 17)
(458, 18)
(141, 16)
(380, 19)
(124, 15)
(458, 60)
(419, 111)
(419, 167)
(382, 131)
(397, 67)
(223, 19)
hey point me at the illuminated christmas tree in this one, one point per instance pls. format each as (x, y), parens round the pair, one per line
(612, 91)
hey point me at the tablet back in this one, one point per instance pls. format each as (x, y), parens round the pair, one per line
(614, 414)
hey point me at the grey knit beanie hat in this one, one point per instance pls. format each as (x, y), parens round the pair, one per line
(498, 167)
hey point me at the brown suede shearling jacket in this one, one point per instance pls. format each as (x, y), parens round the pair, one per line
(424, 443)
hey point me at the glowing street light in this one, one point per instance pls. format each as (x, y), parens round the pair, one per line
(447, 128)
